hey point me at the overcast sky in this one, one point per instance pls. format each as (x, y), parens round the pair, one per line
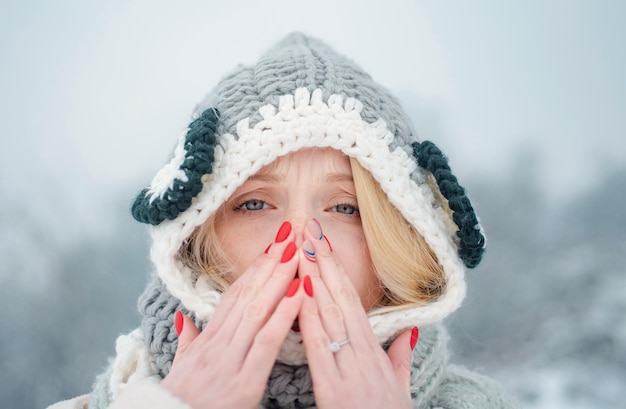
(93, 94)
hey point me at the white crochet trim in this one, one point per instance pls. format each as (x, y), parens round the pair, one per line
(132, 363)
(164, 179)
(304, 120)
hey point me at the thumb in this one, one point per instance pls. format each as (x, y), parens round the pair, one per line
(187, 332)
(400, 354)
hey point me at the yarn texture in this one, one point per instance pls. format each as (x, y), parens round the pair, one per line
(434, 383)
(472, 241)
(300, 94)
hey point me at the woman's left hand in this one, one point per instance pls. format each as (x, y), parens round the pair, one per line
(360, 373)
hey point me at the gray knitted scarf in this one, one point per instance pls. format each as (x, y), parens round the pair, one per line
(290, 386)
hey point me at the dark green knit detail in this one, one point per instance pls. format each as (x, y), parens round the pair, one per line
(199, 146)
(472, 241)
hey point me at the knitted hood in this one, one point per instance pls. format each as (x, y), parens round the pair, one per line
(302, 94)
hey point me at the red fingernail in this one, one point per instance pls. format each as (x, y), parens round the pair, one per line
(289, 252)
(268, 248)
(293, 287)
(414, 335)
(283, 232)
(329, 245)
(178, 322)
(308, 286)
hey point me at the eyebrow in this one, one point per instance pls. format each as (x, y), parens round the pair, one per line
(337, 177)
(267, 177)
(277, 177)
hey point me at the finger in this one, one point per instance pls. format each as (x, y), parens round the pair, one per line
(270, 338)
(330, 270)
(256, 313)
(330, 314)
(343, 294)
(228, 313)
(316, 343)
(400, 355)
(263, 263)
(187, 333)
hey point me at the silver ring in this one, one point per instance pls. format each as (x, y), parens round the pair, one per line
(336, 346)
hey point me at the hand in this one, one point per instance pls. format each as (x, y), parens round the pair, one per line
(228, 364)
(360, 374)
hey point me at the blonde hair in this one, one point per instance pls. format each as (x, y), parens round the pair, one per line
(203, 254)
(408, 270)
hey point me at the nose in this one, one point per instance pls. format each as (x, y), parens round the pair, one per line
(301, 202)
(299, 216)
(298, 224)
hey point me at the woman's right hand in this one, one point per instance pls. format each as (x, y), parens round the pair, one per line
(227, 365)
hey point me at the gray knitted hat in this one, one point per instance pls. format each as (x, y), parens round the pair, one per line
(302, 94)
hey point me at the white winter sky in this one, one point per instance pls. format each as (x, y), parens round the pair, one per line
(93, 94)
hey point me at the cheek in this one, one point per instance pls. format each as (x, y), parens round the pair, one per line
(243, 242)
(355, 259)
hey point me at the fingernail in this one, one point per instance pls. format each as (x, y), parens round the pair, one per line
(329, 245)
(308, 286)
(308, 250)
(178, 322)
(268, 248)
(283, 232)
(289, 252)
(414, 336)
(293, 287)
(315, 228)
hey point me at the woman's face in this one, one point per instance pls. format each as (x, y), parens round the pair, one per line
(310, 183)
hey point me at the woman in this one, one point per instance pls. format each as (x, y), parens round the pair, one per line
(301, 235)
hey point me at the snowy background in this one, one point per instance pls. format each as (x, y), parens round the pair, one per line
(527, 98)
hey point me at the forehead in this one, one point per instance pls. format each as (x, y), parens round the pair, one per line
(319, 160)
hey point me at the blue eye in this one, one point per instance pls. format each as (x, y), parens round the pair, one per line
(252, 205)
(346, 209)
